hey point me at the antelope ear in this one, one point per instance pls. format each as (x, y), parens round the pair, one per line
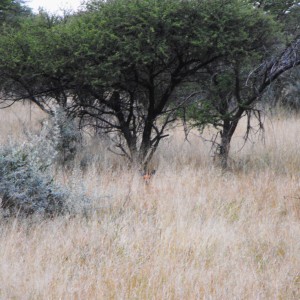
(153, 172)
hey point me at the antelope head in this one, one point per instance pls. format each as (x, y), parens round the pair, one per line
(147, 176)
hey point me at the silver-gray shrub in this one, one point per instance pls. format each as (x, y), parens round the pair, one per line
(65, 136)
(27, 183)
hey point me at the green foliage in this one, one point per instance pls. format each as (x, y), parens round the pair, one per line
(120, 64)
(117, 41)
(120, 38)
(28, 67)
(236, 82)
(285, 12)
(201, 114)
(12, 10)
(226, 84)
(277, 7)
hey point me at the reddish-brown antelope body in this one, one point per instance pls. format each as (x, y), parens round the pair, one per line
(147, 176)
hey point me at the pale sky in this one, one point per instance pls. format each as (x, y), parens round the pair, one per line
(53, 6)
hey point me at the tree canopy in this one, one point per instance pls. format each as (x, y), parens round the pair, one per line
(12, 10)
(122, 66)
(236, 82)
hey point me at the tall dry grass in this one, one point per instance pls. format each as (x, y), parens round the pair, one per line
(194, 232)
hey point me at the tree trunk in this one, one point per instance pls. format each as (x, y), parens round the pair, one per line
(145, 146)
(224, 147)
(223, 152)
(227, 132)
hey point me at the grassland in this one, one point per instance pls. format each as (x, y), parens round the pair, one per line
(194, 232)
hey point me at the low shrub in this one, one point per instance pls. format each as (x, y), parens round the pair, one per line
(27, 183)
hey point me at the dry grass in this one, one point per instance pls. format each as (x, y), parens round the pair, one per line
(192, 233)
(16, 120)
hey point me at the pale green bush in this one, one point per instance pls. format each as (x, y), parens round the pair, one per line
(27, 183)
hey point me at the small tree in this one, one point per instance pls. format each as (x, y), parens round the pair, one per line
(235, 83)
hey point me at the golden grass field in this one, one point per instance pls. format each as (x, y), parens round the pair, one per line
(194, 232)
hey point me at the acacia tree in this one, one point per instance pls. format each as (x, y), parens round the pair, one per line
(144, 50)
(235, 83)
(119, 65)
(12, 10)
(28, 68)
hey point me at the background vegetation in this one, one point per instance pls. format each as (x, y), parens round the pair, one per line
(90, 98)
(127, 68)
